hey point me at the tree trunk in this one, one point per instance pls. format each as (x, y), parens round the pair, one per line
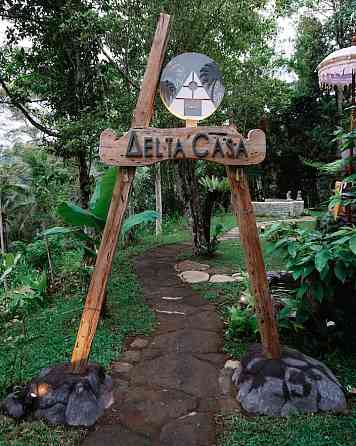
(2, 238)
(84, 181)
(2, 230)
(158, 190)
(209, 202)
(189, 190)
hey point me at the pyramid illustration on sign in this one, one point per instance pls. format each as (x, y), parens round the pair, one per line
(192, 100)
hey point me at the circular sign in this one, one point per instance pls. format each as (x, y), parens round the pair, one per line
(191, 86)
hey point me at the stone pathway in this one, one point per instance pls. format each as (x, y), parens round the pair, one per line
(234, 233)
(169, 387)
(194, 272)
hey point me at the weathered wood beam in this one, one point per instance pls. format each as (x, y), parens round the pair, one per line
(97, 289)
(243, 210)
(223, 145)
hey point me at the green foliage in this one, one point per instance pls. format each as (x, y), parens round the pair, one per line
(81, 219)
(45, 182)
(138, 219)
(22, 357)
(9, 262)
(324, 264)
(214, 183)
(37, 433)
(301, 430)
(217, 231)
(100, 201)
(76, 216)
(240, 321)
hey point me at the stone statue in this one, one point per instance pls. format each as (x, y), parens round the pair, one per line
(289, 195)
(299, 196)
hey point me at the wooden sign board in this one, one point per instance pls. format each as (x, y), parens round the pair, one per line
(223, 145)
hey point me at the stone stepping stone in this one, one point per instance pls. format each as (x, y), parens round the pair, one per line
(172, 307)
(116, 435)
(146, 410)
(188, 265)
(195, 429)
(139, 343)
(122, 369)
(187, 341)
(194, 276)
(172, 298)
(178, 372)
(131, 356)
(232, 364)
(174, 387)
(205, 320)
(239, 276)
(222, 278)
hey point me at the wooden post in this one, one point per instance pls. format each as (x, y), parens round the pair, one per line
(142, 117)
(243, 210)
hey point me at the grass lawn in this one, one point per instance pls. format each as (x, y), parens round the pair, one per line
(307, 430)
(47, 337)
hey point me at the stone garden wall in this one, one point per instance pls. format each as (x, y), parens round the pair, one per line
(279, 208)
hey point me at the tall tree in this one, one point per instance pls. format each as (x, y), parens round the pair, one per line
(61, 71)
(302, 129)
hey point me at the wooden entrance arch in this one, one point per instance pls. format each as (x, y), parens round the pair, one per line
(144, 146)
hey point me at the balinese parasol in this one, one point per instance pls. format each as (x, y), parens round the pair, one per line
(338, 71)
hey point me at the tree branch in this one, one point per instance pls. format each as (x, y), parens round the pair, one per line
(121, 71)
(25, 112)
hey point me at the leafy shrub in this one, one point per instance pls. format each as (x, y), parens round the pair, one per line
(240, 322)
(24, 292)
(36, 269)
(324, 264)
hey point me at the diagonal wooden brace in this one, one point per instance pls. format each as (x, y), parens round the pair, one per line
(243, 210)
(98, 284)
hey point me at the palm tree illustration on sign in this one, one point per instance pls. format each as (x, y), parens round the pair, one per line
(191, 86)
(211, 79)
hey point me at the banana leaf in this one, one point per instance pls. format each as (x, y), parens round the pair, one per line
(76, 216)
(137, 219)
(101, 198)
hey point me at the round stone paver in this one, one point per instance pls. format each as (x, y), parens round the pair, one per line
(239, 276)
(194, 276)
(189, 265)
(222, 278)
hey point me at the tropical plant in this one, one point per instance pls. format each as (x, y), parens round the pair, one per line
(240, 322)
(87, 224)
(213, 190)
(324, 265)
(8, 264)
(12, 192)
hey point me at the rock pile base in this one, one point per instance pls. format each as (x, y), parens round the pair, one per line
(296, 383)
(59, 396)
